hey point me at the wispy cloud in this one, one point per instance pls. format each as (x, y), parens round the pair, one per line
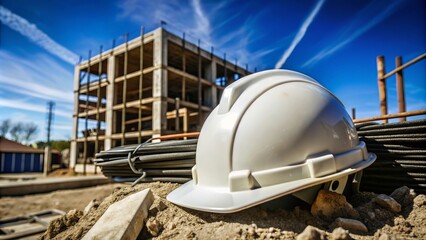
(356, 30)
(39, 77)
(300, 34)
(202, 21)
(37, 36)
(28, 106)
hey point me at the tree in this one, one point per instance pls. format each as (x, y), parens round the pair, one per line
(16, 131)
(4, 127)
(29, 131)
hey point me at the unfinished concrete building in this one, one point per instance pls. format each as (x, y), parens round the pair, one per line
(155, 84)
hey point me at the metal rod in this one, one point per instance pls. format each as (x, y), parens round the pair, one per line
(78, 107)
(382, 86)
(183, 68)
(390, 116)
(421, 57)
(98, 103)
(400, 88)
(141, 55)
(199, 85)
(123, 112)
(353, 113)
(86, 123)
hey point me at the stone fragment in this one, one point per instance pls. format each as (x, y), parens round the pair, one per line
(161, 206)
(340, 234)
(311, 233)
(420, 200)
(123, 219)
(388, 203)
(92, 204)
(351, 225)
(154, 227)
(329, 205)
(403, 195)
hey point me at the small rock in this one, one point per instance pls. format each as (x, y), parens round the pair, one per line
(372, 215)
(271, 230)
(161, 206)
(387, 202)
(420, 200)
(154, 227)
(311, 233)
(92, 204)
(351, 225)
(329, 205)
(340, 234)
(403, 195)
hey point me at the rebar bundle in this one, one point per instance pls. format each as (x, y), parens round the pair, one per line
(401, 155)
(169, 161)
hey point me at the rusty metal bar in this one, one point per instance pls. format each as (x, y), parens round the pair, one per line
(382, 86)
(123, 112)
(141, 55)
(86, 123)
(421, 57)
(78, 111)
(98, 103)
(400, 88)
(390, 116)
(183, 68)
(199, 85)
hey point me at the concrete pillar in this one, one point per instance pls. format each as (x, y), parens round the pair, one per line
(47, 160)
(110, 100)
(159, 90)
(74, 149)
(211, 94)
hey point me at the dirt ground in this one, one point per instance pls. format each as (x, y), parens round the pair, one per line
(64, 200)
(167, 221)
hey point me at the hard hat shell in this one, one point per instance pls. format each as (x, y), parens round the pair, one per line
(274, 133)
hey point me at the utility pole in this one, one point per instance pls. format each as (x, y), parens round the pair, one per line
(50, 107)
(47, 149)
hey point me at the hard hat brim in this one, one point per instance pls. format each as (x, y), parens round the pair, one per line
(221, 200)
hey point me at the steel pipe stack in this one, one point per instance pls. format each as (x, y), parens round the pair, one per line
(401, 155)
(169, 161)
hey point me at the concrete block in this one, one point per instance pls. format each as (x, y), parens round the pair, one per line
(123, 219)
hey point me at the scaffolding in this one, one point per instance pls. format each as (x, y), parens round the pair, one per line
(155, 84)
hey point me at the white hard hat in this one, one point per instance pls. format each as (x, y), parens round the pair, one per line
(274, 133)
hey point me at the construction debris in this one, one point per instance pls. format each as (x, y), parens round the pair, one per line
(179, 223)
(27, 226)
(123, 219)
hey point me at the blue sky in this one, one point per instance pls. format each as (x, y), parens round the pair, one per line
(336, 42)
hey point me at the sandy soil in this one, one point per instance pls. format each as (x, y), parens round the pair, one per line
(167, 221)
